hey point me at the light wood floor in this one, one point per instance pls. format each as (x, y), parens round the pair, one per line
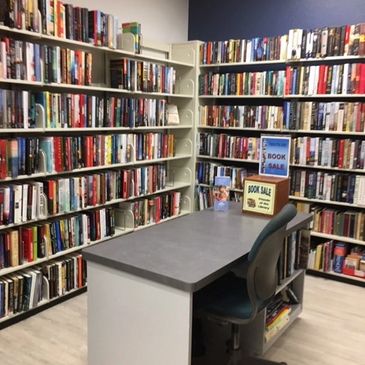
(331, 331)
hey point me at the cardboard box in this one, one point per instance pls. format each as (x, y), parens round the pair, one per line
(265, 195)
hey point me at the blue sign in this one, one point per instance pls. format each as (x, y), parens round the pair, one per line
(274, 156)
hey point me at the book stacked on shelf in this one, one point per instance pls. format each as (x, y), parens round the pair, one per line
(20, 60)
(155, 209)
(28, 244)
(246, 83)
(142, 76)
(207, 171)
(226, 146)
(244, 50)
(337, 187)
(294, 255)
(329, 152)
(58, 19)
(329, 116)
(135, 112)
(278, 312)
(28, 289)
(71, 110)
(27, 61)
(18, 109)
(340, 223)
(241, 116)
(70, 153)
(344, 79)
(135, 29)
(66, 66)
(19, 156)
(339, 258)
(346, 40)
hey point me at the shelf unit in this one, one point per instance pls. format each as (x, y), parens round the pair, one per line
(277, 101)
(181, 168)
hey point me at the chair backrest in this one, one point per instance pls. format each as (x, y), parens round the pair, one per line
(262, 275)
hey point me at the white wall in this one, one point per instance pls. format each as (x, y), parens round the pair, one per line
(162, 20)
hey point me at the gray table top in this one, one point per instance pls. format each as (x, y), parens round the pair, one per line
(189, 252)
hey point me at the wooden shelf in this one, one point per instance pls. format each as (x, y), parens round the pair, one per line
(43, 303)
(96, 88)
(325, 96)
(92, 130)
(337, 238)
(337, 276)
(242, 64)
(341, 133)
(182, 213)
(288, 280)
(226, 159)
(240, 96)
(330, 202)
(98, 168)
(282, 62)
(355, 171)
(175, 186)
(241, 129)
(118, 232)
(88, 46)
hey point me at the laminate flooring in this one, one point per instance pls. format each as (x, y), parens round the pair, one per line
(330, 331)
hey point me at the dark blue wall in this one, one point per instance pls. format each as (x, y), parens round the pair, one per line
(224, 19)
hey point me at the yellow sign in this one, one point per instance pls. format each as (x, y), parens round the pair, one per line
(259, 197)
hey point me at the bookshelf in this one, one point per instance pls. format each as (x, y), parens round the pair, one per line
(108, 204)
(231, 77)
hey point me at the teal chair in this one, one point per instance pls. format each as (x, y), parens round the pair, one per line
(235, 300)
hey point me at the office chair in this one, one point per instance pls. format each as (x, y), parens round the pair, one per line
(236, 300)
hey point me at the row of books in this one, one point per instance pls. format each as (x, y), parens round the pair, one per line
(345, 40)
(207, 171)
(344, 79)
(226, 146)
(336, 187)
(244, 50)
(27, 61)
(338, 257)
(20, 60)
(28, 289)
(328, 116)
(277, 317)
(28, 244)
(59, 19)
(39, 200)
(153, 210)
(323, 42)
(21, 156)
(339, 222)
(246, 83)
(64, 110)
(294, 254)
(329, 152)
(241, 116)
(142, 76)
(348, 78)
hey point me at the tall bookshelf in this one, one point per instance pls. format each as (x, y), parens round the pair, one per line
(168, 177)
(300, 197)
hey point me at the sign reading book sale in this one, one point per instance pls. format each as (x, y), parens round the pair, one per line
(274, 156)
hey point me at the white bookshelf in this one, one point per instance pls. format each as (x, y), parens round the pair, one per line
(181, 167)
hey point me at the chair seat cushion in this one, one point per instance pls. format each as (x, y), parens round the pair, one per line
(226, 297)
